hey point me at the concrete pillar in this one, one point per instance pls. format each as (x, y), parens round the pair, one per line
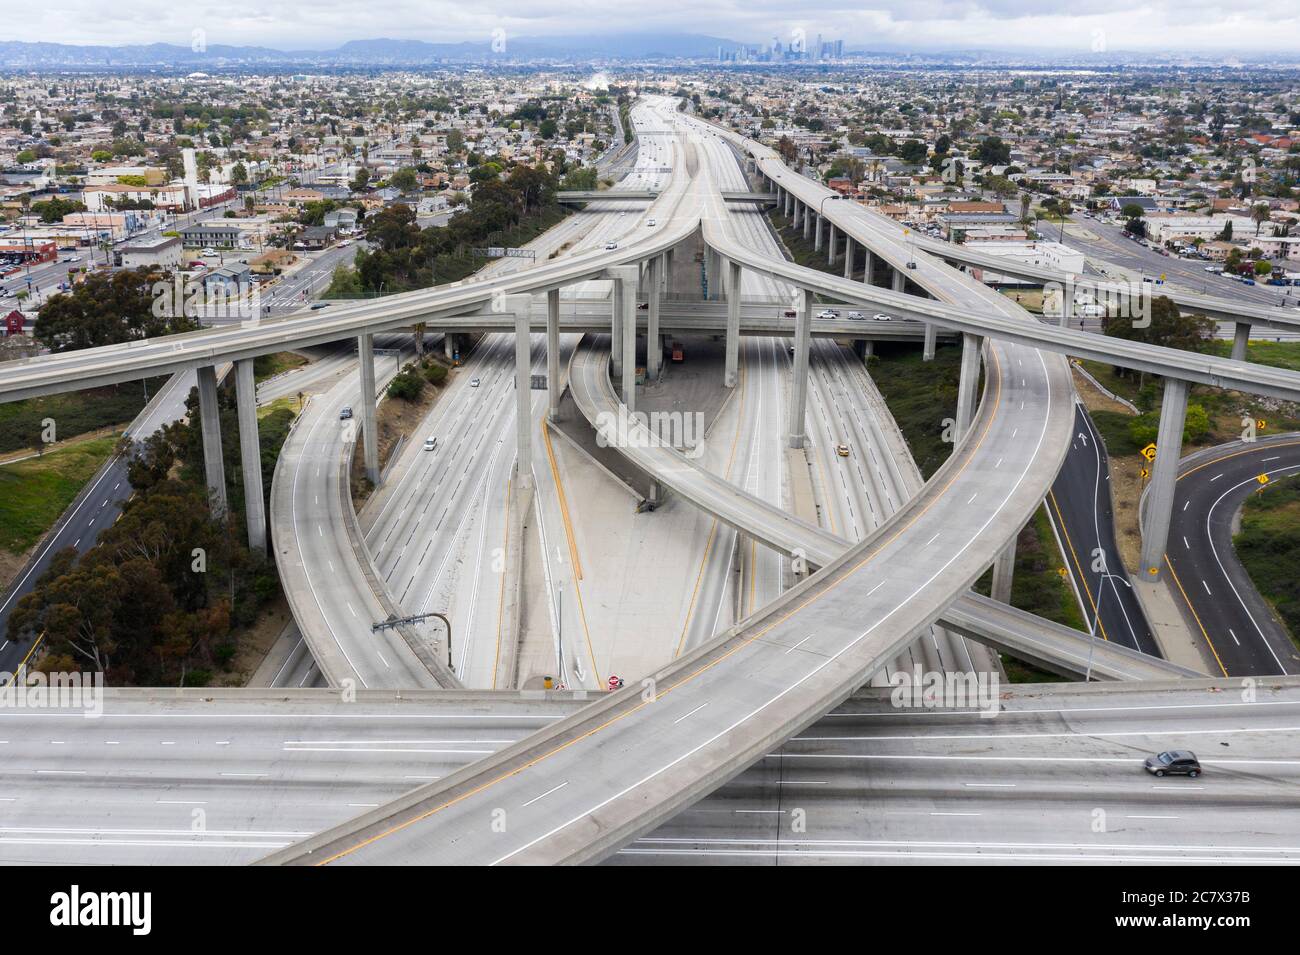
(817, 233)
(654, 353)
(731, 373)
(900, 280)
(1164, 474)
(799, 386)
(1067, 304)
(864, 348)
(1003, 571)
(868, 266)
(801, 217)
(850, 253)
(523, 400)
(553, 353)
(788, 200)
(629, 339)
(449, 346)
(1240, 336)
(668, 271)
(616, 325)
(210, 422)
(250, 454)
(807, 223)
(931, 340)
(967, 396)
(369, 426)
(833, 250)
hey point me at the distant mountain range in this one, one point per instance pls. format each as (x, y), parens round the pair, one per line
(378, 52)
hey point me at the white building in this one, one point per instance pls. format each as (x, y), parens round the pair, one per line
(1051, 255)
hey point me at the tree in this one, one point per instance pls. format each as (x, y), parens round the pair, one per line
(107, 309)
(913, 151)
(1259, 213)
(1168, 327)
(992, 151)
(404, 180)
(361, 179)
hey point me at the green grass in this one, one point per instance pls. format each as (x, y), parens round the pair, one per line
(268, 366)
(1269, 547)
(288, 403)
(73, 413)
(920, 395)
(35, 492)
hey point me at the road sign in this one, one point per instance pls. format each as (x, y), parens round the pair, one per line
(1146, 473)
(1149, 452)
(1262, 479)
(1261, 424)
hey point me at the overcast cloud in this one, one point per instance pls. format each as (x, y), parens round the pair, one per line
(1083, 25)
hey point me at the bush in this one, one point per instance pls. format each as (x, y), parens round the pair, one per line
(407, 385)
(435, 373)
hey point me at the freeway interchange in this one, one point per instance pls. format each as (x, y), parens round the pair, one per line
(806, 573)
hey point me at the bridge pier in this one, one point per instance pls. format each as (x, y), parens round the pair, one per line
(369, 433)
(628, 370)
(900, 280)
(967, 387)
(523, 399)
(1164, 477)
(250, 454)
(817, 233)
(864, 348)
(616, 325)
(654, 353)
(931, 341)
(850, 253)
(832, 253)
(799, 385)
(1240, 338)
(807, 223)
(449, 346)
(553, 353)
(730, 374)
(210, 423)
(1003, 573)
(868, 267)
(788, 200)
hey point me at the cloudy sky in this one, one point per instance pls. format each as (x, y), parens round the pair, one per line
(1079, 25)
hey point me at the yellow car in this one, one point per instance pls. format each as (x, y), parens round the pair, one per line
(842, 450)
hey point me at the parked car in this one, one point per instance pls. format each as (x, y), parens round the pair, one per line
(1175, 762)
(210, 254)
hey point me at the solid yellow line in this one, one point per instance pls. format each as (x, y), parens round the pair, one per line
(564, 503)
(704, 668)
(19, 669)
(575, 562)
(1179, 584)
(501, 599)
(1082, 578)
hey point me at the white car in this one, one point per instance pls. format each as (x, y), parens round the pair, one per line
(611, 246)
(856, 317)
(829, 313)
(882, 317)
(473, 382)
(650, 223)
(431, 444)
(210, 254)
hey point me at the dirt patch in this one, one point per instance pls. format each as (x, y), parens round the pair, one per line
(11, 566)
(255, 643)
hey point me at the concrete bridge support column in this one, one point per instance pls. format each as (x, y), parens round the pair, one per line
(900, 280)
(833, 251)
(789, 199)
(654, 352)
(807, 223)
(1240, 337)
(864, 348)
(668, 271)
(931, 340)
(210, 422)
(968, 386)
(523, 400)
(552, 353)
(250, 454)
(1067, 305)
(616, 325)
(850, 253)
(799, 386)
(731, 372)
(369, 427)
(1164, 475)
(1003, 573)
(797, 214)
(628, 363)
(449, 346)
(817, 232)
(868, 266)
